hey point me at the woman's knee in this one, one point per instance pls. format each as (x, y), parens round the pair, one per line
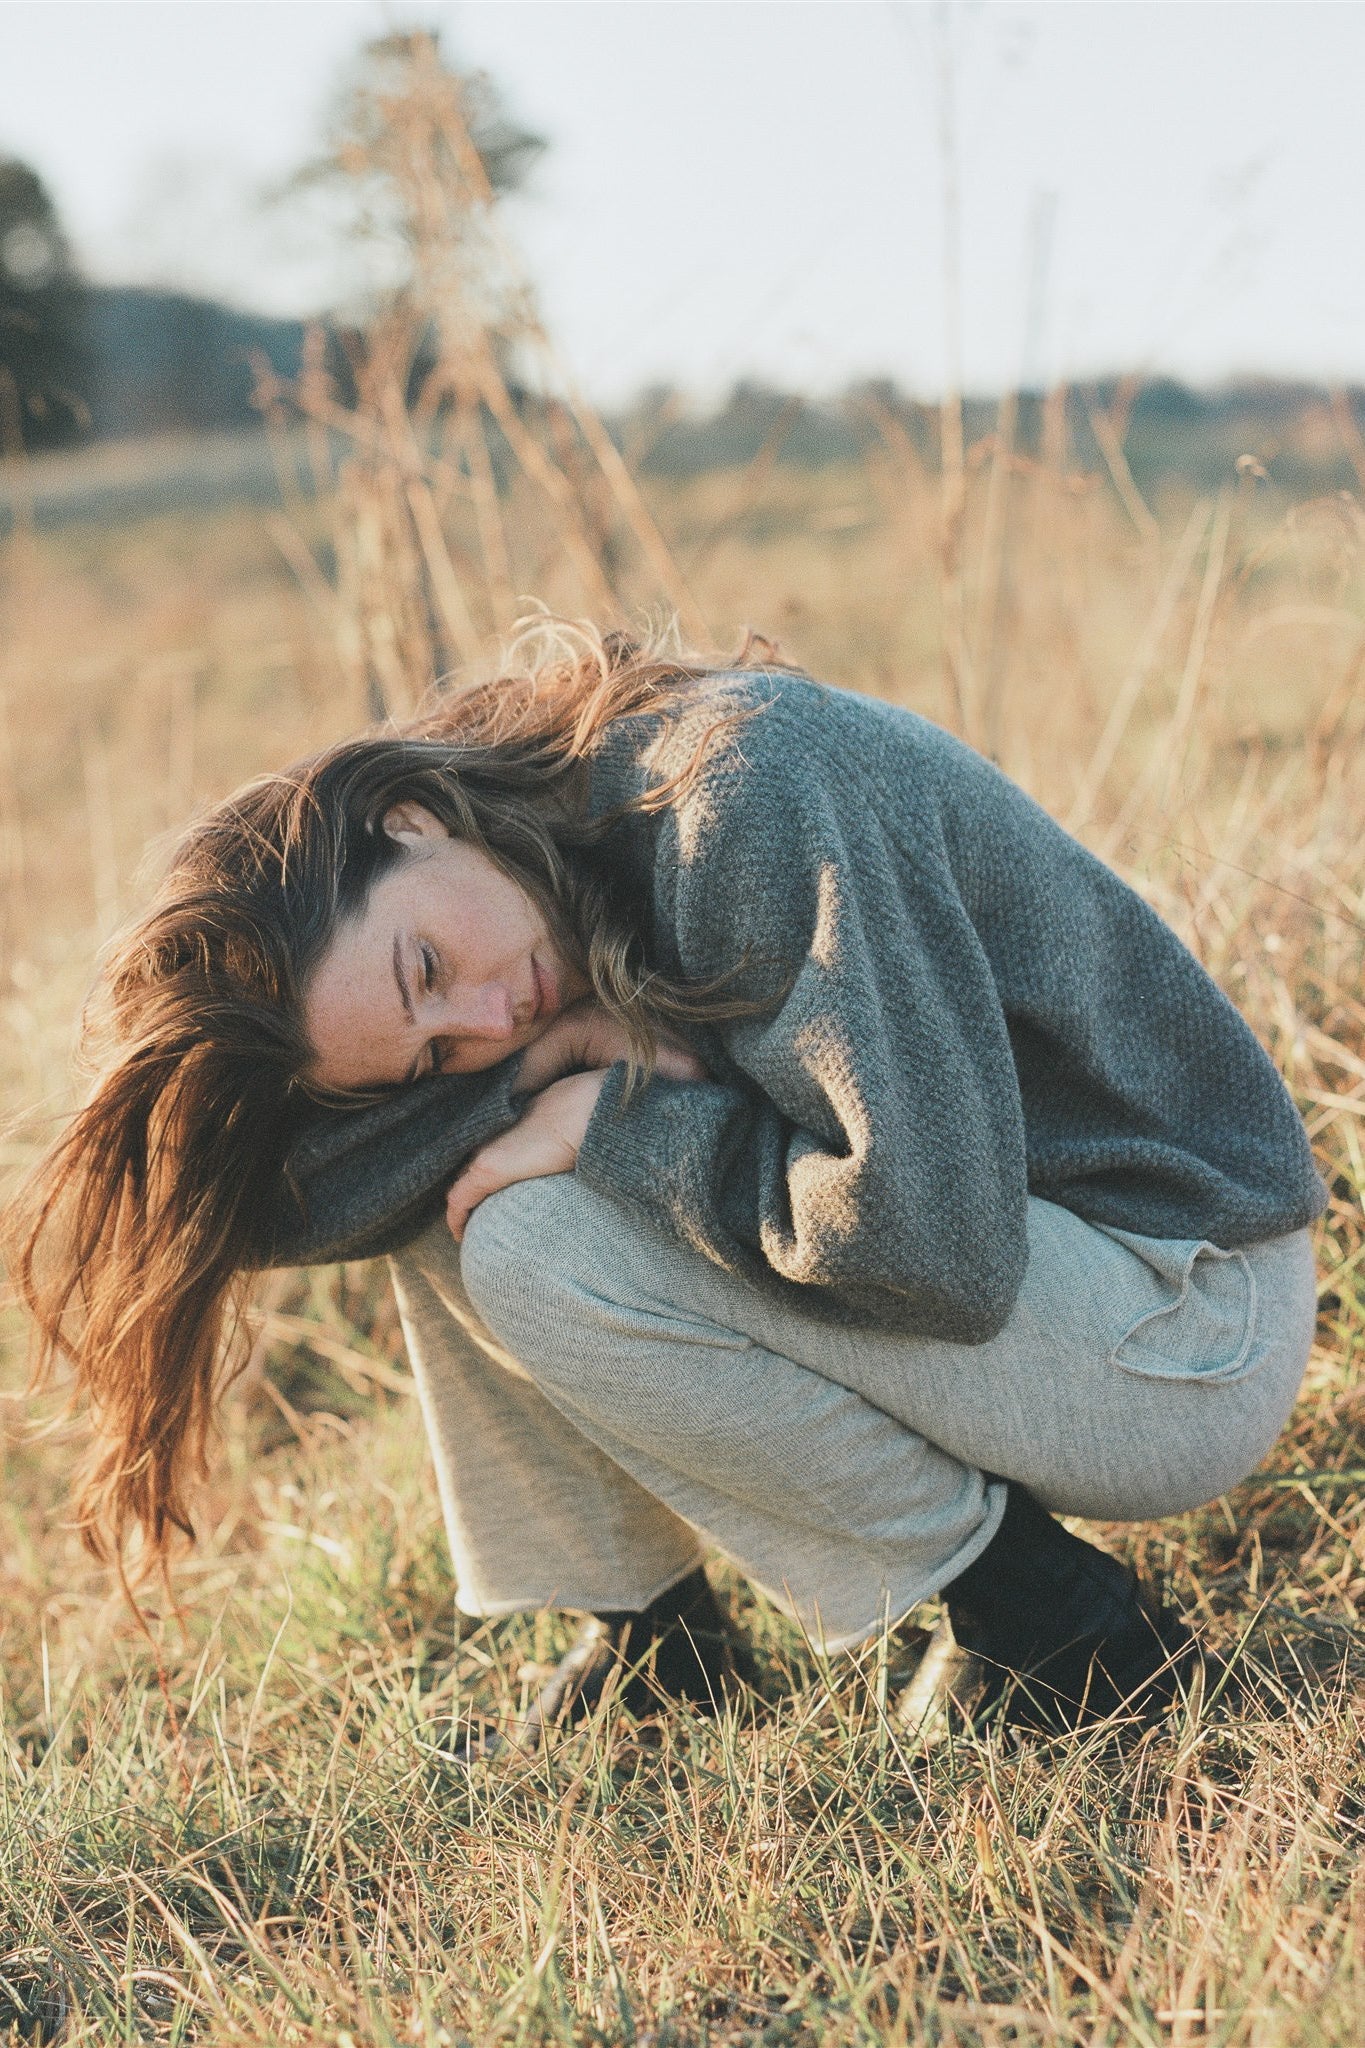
(515, 1252)
(566, 1281)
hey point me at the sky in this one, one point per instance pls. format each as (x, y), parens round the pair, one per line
(801, 191)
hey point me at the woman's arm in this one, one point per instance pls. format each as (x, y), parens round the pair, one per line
(361, 1182)
(365, 1181)
(869, 1148)
(562, 1072)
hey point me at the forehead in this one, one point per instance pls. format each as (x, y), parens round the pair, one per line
(353, 1012)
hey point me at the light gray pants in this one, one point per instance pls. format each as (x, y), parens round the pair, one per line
(603, 1403)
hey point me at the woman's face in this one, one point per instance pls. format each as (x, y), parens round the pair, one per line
(447, 968)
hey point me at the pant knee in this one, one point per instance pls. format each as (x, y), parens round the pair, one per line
(507, 1260)
(558, 1276)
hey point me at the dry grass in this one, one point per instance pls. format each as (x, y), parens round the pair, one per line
(245, 1826)
(249, 1830)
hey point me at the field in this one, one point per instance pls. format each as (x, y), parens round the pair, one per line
(242, 1824)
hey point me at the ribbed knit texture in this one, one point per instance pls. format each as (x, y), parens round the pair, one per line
(970, 1007)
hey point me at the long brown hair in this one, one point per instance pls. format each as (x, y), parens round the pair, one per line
(129, 1241)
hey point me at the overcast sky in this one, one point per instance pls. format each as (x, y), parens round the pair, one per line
(757, 187)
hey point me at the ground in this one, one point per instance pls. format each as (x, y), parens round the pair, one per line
(238, 1819)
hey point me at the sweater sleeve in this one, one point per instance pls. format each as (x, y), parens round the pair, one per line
(361, 1182)
(867, 1147)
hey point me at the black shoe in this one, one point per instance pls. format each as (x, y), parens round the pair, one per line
(1065, 1633)
(680, 1647)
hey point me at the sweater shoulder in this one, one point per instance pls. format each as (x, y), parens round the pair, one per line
(781, 776)
(787, 728)
(771, 803)
(790, 751)
(784, 847)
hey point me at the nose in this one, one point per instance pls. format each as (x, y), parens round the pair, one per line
(484, 1012)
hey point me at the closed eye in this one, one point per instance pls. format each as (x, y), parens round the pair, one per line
(429, 964)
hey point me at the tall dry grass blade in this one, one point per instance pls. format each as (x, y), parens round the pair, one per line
(1243, 830)
(182, 679)
(99, 816)
(268, 397)
(1166, 761)
(993, 572)
(399, 657)
(334, 615)
(671, 581)
(13, 847)
(303, 563)
(1131, 688)
(959, 673)
(483, 490)
(552, 482)
(751, 483)
(1055, 452)
(1192, 675)
(1111, 447)
(314, 379)
(461, 634)
(893, 435)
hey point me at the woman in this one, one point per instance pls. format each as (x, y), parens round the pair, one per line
(844, 1169)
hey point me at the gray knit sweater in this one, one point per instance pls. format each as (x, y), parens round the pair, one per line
(971, 1008)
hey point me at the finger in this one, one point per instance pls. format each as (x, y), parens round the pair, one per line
(676, 1064)
(480, 1179)
(531, 1149)
(461, 1203)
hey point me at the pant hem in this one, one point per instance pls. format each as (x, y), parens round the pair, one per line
(498, 1610)
(898, 1607)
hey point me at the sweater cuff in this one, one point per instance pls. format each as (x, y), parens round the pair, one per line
(365, 1181)
(653, 1150)
(609, 1156)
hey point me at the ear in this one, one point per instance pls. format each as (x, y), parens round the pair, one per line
(409, 822)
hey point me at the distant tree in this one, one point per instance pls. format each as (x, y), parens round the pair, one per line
(387, 150)
(42, 352)
(363, 107)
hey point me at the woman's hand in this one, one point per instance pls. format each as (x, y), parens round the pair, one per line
(545, 1140)
(586, 1036)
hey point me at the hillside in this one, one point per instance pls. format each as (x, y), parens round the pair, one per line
(179, 373)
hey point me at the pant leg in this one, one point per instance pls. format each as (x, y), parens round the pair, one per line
(842, 1468)
(536, 1515)
(842, 1514)
(1136, 1377)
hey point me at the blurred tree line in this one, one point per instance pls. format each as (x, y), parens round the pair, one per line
(81, 362)
(44, 363)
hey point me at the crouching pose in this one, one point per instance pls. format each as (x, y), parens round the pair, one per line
(786, 1139)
